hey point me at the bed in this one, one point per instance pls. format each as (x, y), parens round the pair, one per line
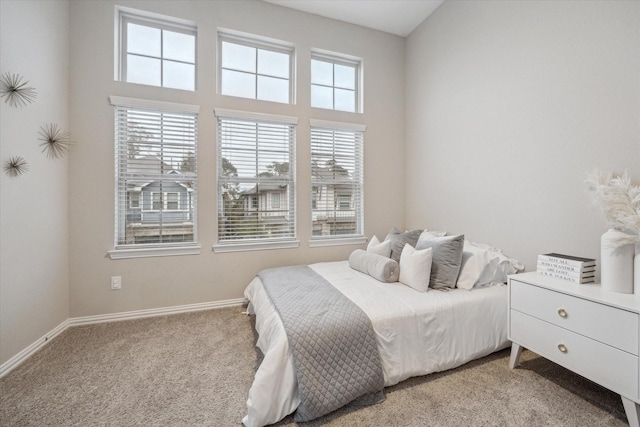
(416, 333)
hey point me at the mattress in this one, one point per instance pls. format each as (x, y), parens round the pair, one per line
(417, 333)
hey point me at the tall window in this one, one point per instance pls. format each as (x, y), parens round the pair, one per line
(256, 177)
(156, 154)
(336, 179)
(335, 83)
(157, 52)
(256, 69)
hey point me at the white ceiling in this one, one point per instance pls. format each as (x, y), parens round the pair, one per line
(398, 17)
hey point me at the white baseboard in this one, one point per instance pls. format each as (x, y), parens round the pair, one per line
(7, 366)
(152, 312)
(16, 360)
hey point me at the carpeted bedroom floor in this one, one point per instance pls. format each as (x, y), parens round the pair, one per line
(195, 369)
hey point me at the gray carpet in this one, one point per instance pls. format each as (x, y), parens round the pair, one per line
(196, 369)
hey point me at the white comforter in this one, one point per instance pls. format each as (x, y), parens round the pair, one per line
(417, 334)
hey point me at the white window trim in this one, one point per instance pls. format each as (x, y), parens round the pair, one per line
(347, 60)
(139, 193)
(249, 115)
(152, 193)
(341, 198)
(168, 23)
(258, 42)
(166, 201)
(336, 241)
(254, 246)
(175, 107)
(154, 251)
(327, 124)
(275, 200)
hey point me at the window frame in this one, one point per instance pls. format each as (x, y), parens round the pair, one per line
(258, 43)
(275, 200)
(164, 23)
(136, 199)
(344, 60)
(167, 201)
(238, 245)
(140, 250)
(344, 202)
(156, 205)
(358, 237)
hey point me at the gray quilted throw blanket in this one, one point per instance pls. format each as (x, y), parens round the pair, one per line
(332, 341)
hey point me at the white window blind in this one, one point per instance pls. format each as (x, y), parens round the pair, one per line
(336, 180)
(256, 178)
(156, 174)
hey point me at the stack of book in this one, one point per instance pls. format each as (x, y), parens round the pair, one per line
(567, 267)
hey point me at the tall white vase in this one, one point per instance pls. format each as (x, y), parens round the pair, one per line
(636, 271)
(616, 268)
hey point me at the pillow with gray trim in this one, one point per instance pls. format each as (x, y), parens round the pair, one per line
(398, 240)
(447, 258)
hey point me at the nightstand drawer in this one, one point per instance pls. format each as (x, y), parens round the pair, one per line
(612, 326)
(608, 366)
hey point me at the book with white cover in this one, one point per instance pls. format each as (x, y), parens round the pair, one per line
(568, 260)
(590, 279)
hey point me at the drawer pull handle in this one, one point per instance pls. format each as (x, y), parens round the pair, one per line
(562, 313)
(562, 348)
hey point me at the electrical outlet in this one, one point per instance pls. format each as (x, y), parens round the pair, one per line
(116, 282)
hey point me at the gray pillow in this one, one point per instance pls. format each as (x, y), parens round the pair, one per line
(398, 240)
(377, 266)
(447, 258)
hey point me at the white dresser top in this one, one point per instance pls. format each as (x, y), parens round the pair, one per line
(589, 291)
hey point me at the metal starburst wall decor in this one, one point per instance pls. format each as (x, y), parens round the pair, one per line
(55, 141)
(15, 91)
(15, 166)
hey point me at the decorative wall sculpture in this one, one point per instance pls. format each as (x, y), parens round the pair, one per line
(15, 91)
(15, 166)
(55, 141)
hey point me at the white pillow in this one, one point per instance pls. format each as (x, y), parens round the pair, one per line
(378, 248)
(415, 267)
(483, 265)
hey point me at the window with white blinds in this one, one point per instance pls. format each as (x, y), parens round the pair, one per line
(336, 179)
(256, 177)
(156, 173)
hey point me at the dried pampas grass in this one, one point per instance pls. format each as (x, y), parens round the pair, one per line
(619, 201)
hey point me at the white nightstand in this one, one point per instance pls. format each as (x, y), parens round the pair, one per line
(582, 327)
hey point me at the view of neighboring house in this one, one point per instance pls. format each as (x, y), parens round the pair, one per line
(333, 210)
(332, 200)
(159, 206)
(268, 201)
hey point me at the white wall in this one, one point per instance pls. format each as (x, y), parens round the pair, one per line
(170, 281)
(509, 105)
(34, 272)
